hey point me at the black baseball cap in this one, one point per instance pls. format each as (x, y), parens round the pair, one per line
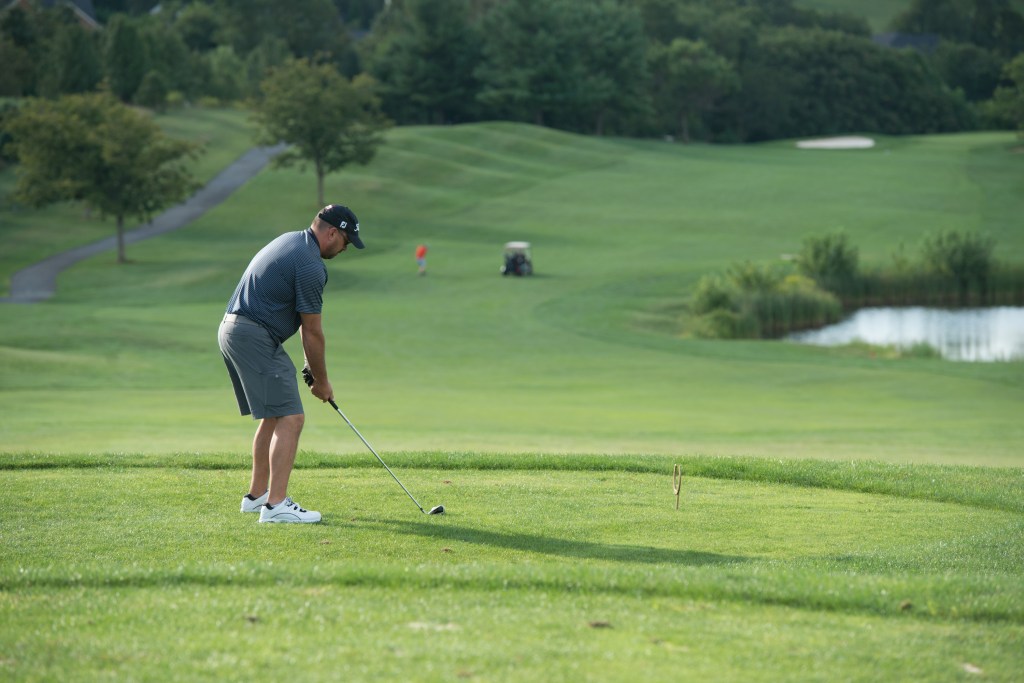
(342, 218)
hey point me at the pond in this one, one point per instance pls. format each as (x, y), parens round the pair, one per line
(972, 334)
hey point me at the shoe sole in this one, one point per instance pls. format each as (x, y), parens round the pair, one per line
(294, 520)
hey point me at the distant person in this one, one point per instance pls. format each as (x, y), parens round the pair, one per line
(281, 292)
(421, 258)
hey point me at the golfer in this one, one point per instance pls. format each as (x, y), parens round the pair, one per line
(421, 258)
(281, 292)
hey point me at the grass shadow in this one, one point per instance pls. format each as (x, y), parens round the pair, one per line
(578, 549)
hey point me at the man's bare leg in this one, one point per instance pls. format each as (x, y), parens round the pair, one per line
(261, 457)
(283, 445)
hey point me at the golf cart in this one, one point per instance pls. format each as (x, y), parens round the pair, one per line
(517, 259)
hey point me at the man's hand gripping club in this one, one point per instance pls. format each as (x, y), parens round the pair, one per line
(322, 392)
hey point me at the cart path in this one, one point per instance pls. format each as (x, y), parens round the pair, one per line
(38, 282)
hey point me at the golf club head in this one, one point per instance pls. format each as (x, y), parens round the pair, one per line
(437, 510)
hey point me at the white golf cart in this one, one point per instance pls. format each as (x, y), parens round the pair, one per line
(518, 260)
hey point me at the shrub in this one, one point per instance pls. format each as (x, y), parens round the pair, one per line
(753, 302)
(830, 260)
(713, 294)
(750, 277)
(966, 258)
(176, 99)
(152, 92)
(724, 324)
(779, 313)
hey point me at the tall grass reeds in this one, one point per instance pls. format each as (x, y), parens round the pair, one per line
(752, 301)
(757, 302)
(1003, 286)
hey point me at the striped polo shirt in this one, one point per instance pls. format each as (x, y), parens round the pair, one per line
(284, 279)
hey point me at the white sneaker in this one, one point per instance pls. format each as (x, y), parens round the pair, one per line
(254, 504)
(288, 511)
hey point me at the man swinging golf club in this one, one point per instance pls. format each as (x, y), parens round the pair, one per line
(280, 293)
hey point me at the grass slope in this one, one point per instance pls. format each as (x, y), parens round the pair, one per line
(545, 414)
(585, 357)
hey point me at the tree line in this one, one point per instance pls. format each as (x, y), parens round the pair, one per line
(715, 70)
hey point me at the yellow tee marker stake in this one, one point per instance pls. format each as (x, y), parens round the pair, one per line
(677, 482)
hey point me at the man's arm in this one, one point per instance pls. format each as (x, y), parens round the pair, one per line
(314, 347)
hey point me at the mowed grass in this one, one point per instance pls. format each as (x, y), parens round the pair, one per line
(835, 522)
(558, 574)
(589, 355)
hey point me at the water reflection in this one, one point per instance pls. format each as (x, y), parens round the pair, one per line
(974, 334)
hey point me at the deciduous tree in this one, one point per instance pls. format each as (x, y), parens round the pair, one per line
(428, 55)
(328, 120)
(93, 149)
(1008, 102)
(125, 59)
(688, 79)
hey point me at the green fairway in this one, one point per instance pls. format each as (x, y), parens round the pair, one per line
(589, 355)
(845, 515)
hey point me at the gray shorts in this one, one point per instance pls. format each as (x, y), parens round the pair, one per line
(261, 372)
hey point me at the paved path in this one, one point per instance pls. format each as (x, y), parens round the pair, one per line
(38, 282)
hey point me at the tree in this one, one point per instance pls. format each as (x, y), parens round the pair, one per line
(309, 27)
(328, 120)
(227, 74)
(74, 63)
(562, 63)
(125, 58)
(966, 258)
(972, 69)
(269, 53)
(992, 24)
(1008, 103)
(688, 79)
(22, 49)
(527, 68)
(427, 55)
(93, 149)
(198, 26)
(608, 40)
(152, 92)
(168, 55)
(360, 13)
(17, 78)
(813, 82)
(946, 18)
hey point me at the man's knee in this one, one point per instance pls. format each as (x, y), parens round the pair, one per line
(291, 423)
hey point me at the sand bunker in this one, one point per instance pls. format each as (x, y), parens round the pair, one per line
(851, 142)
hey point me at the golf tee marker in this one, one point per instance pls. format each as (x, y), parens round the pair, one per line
(677, 482)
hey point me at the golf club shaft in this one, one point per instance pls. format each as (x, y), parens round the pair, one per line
(349, 422)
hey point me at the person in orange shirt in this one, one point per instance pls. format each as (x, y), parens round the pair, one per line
(421, 258)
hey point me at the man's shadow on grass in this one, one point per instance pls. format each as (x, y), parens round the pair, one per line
(579, 549)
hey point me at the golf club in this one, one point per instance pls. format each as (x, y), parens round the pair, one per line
(436, 510)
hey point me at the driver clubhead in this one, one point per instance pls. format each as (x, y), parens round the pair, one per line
(437, 510)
